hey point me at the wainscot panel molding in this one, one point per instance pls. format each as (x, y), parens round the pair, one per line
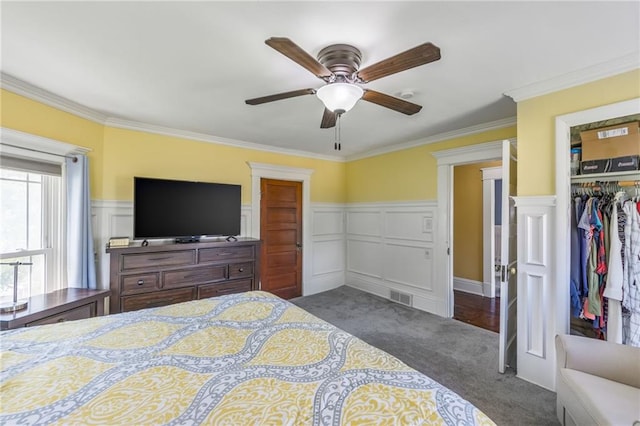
(536, 290)
(326, 251)
(328, 247)
(390, 246)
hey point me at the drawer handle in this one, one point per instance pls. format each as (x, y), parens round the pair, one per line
(140, 282)
(160, 258)
(225, 253)
(240, 269)
(196, 275)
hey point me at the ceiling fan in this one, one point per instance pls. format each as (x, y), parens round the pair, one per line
(339, 66)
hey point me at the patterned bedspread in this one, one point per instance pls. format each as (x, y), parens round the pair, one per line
(241, 359)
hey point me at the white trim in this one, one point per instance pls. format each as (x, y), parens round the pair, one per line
(468, 286)
(37, 147)
(491, 173)
(274, 171)
(32, 92)
(440, 137)
(536, 200)
(489, 177)
(469, 154)
(202, 137)
(599, 71)
(393, 204)
(444, 240)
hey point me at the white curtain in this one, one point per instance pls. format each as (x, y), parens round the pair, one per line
(81, 268)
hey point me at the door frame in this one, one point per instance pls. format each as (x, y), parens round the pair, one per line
(275, 171)
(447, 159)
(489, 177)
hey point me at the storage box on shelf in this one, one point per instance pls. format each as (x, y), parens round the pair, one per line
(162, 274)
(619, 164)
(621, 140)
(610, 149)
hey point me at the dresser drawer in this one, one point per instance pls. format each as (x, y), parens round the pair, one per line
(158, 259)
(81, 312)
(157, 298)
(192, 276)
(225, 253)
(240, 270)
(132, 284)
(212, 290)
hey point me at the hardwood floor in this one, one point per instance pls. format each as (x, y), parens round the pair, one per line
(483, 312)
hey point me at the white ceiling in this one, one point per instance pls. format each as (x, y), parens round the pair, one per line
(191, 65)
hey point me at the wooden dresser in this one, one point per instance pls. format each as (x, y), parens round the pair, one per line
(161, 274)
(59, 306)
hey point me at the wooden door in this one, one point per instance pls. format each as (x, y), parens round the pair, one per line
(281, 235)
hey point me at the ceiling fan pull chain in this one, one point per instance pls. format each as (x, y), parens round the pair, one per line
(337, 145)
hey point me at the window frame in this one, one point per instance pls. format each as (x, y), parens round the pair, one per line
(36, 148)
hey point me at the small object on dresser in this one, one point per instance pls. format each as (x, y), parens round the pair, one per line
(118, 242)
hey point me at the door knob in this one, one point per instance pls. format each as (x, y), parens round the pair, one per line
(298, 245)
(512, 271)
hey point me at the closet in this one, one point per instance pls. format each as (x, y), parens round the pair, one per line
(605, 253)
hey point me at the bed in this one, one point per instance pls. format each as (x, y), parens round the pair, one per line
(240, 359)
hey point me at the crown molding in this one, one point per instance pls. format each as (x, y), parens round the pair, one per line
(202, 137)
(599, 71)
(27, 90)
(440, 137)
(32, 92)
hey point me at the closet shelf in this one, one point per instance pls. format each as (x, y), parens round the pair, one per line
(604, 177)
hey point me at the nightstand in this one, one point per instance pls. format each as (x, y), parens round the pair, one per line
(63, 305)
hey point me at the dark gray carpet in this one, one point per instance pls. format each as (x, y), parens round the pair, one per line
(460, 356)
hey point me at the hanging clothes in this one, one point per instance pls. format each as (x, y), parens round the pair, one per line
(605, 264)
(631, 295)
(613, 288)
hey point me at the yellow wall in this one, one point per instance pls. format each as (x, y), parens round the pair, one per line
(25, 115)
(407, 175)
(117, 154)
(467, 220)
(131, 153)
(536, 126)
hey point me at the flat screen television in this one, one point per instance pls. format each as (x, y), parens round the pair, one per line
(184, 210)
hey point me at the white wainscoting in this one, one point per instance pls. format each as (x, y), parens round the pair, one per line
(536, 300)
(115, 218)
(328, 248)
(390, 246)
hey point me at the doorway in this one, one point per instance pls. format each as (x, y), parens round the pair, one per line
(261, 171)
(506, 151)
(281, 235)
(476, 236)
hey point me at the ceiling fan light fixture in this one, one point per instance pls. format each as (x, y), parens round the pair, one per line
(339, 97)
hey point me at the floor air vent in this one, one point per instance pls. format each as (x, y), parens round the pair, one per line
(404, 298)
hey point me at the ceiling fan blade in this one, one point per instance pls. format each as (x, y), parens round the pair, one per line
(279, 96)
(391, 102)
(411, 58)
(328, 119)
(296, 54)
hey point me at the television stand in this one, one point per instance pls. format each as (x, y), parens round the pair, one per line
(231, 238)
(186, 240)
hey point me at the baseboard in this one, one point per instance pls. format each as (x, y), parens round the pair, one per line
(468, 286)
(421, 301)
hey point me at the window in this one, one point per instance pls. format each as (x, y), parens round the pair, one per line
(31, 226)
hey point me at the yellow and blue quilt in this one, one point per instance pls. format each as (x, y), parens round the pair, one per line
(242, 359)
